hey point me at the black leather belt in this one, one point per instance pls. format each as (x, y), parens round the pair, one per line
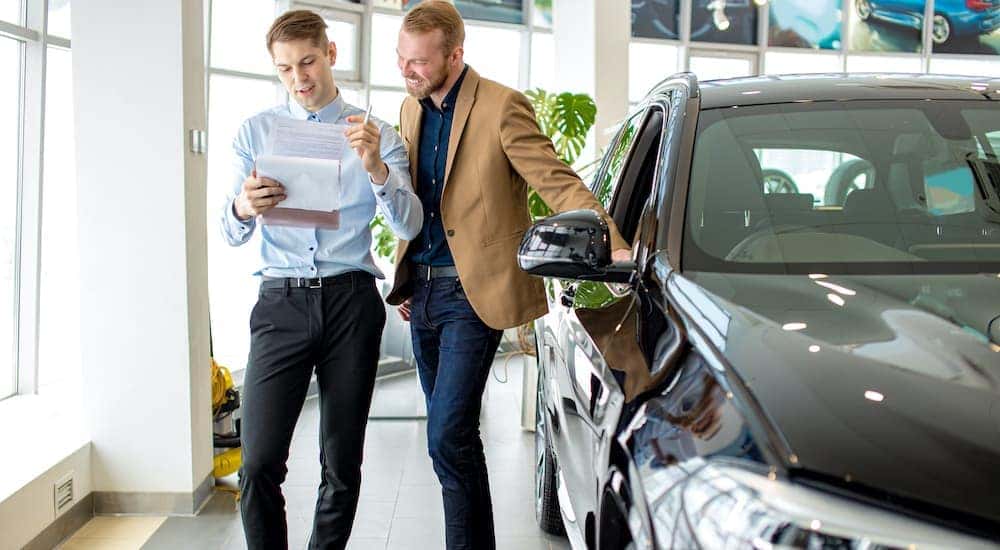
(314, 282)
(427, 272)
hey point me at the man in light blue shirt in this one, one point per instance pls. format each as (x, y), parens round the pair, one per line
(318, 308)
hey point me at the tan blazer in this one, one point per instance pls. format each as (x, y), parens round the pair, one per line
(495, 150)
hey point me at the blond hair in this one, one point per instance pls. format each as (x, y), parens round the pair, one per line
(297, 25)
(437, 14)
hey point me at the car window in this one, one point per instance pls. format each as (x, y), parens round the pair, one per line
(854, 187)
(607, 178)
(636, 181)
(826, 176)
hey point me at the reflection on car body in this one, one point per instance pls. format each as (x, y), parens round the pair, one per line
(814, 363)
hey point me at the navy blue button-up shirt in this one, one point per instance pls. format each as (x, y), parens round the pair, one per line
(431, 247)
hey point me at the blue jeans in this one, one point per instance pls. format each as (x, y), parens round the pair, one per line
(454, 351)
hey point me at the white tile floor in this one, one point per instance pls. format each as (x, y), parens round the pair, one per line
(400, 505)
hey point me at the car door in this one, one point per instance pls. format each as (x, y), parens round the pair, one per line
(589, 393)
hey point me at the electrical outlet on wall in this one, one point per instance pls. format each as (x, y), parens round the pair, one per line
(63, 493)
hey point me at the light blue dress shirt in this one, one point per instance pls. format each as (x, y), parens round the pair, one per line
(308, 252)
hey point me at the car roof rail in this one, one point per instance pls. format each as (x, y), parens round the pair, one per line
(686, 79)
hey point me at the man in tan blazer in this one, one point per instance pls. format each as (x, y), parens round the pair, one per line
(474, 146)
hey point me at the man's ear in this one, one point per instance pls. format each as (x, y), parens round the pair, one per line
(455, 59)
(331, 53)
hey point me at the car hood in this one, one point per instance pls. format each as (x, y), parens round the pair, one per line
(890, 382)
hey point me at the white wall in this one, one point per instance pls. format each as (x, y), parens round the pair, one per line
(138, 87)
(591, 47)
(31, 509)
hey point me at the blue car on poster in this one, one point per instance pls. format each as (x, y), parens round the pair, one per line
(952, 18)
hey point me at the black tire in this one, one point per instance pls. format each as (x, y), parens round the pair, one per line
(614, 531)
(547, 512)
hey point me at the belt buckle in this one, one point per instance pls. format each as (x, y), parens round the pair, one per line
(315, 283)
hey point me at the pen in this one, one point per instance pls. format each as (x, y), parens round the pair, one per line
(368, 114)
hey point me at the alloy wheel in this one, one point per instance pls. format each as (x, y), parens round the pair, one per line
(864, 9)
(940, 30)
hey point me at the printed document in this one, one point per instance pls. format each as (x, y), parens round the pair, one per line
(305, 158)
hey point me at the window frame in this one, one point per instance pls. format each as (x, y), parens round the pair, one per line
(34, 43)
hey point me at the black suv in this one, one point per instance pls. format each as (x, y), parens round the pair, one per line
(805, 351)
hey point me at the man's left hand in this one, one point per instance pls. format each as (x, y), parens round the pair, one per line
(366, 140)
(621, 255)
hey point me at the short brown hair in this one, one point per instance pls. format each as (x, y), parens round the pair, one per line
(437, 14)
(297, 25)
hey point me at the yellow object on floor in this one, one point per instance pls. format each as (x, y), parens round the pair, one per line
(227, 463)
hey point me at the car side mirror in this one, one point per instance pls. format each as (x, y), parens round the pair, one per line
(572, 245)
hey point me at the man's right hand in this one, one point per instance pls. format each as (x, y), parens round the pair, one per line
(258, 196)
(404, 310)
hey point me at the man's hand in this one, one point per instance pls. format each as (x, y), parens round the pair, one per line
(404, 310)
(258, 196)
(366, 140)
(621, 255)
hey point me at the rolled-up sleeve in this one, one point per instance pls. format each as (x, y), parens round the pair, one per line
(396, 200)
(234, 230)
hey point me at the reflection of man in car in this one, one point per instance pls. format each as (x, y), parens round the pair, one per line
(691, 411)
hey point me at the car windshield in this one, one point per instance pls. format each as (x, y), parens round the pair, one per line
(846, 187)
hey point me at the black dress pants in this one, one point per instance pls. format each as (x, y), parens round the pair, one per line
(337, 330)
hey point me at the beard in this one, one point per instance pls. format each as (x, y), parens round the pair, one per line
(426, 87)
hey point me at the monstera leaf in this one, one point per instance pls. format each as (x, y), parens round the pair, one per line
(566, 119)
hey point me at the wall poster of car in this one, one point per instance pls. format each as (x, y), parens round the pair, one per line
(728, 22)
(502, 11)
(656, 19)
(805, 24)
(887, 25)
(966, 26)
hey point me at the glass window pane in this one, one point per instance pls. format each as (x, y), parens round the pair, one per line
(10, 11)
(239, 31)
(542, 14)
(345, 36)
(648, 64)
(801, 63)
(10, 67)
(878, 64)
(494, 53)
(59, 315)
(608, 177)
(386, 104)
(59, 18)
(805, 24)
(656, 19)
(353, 97)
(502, 11)
(888, 27)
(232, 289)
(385, 34)
(711, 67)
(727, 22)
(810, 171)
(970, 67)
(543, 61)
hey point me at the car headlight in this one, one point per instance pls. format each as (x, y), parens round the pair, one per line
(721, 505)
